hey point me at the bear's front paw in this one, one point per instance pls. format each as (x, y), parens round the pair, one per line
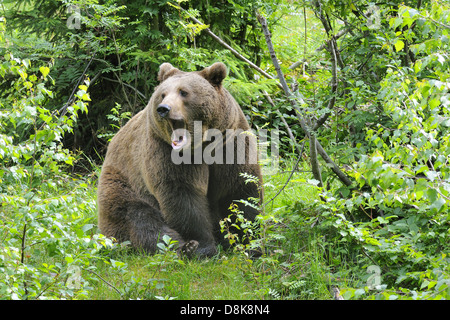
(189, 248)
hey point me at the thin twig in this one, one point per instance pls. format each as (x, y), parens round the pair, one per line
(334, 85)
(63, 110)
(313, 141)
(335, 59)
(338, 35)
(291, 135)
(341, 175)
(226, 45)
(436, 22)
(289, 178)
(119, 77)
(109, 284)
(127, 85)
(273, 56)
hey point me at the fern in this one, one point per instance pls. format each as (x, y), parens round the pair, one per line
(245, 91)
(275, 294)
(296, 284)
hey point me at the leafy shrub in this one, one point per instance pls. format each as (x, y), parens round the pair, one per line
(44, 212)
(397, 213)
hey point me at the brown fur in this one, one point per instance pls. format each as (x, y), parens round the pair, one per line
(143, 195)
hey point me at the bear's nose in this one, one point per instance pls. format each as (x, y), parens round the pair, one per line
(163, 110)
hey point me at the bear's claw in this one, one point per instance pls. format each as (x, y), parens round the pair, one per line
(189, 248)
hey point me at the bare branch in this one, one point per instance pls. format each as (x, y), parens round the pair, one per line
(336, 36)
(334, 84)
(281, 79)
(127, 85)
(283, 85)
(341, 175)
(334, 167)
(436, 22)
(227, 46)
(109, 284)
(312, 138)
(289, 178)
(273, 56)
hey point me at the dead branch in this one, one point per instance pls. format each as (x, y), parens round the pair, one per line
(341, 175)
(338, 35)
(291, 135)
(281, 79)
(334, 84)
(227, 46)
(315, 167)
(312, 138)
(289, 178)
(283, 85)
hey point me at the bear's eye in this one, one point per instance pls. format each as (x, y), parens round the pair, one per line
(183, 93)
(163, 96)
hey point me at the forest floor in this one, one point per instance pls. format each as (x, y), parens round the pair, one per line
(293, 268)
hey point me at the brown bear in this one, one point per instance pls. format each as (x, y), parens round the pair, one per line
(145, 191)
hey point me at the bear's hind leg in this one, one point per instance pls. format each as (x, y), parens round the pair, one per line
(122, 214)
(146, 227)
(146, 234)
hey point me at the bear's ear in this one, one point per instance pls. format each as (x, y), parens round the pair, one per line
(215, 73)
(166, 70)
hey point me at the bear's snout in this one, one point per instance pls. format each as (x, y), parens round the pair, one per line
(163, 110)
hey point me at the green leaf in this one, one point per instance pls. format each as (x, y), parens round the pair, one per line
(396, 22)
(45, 71)
(399, 45)
(87, 227)
(438, 204)
(418, 66)
(432, 195)
(432, 175)
(433, 103)
(117, 264)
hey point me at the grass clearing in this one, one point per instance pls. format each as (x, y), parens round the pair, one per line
(294, 268)
(79, 263)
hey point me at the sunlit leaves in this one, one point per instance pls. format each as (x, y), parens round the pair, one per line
(32, 220)
(401, 194)
(399, 45)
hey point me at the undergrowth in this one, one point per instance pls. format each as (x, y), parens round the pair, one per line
(384, 237)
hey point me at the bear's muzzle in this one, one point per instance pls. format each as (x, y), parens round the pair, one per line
(163, 110)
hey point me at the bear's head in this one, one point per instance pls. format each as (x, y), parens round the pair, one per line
(183, 98)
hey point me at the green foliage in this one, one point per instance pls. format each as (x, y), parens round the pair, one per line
(118, 119)
(36, 218)
(50, 247)
(384, 237)
(396, 214)
(241, 233)
(119, 45)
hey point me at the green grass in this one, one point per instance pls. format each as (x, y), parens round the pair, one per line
(222, 278)
(295, 267)
(58, 216)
